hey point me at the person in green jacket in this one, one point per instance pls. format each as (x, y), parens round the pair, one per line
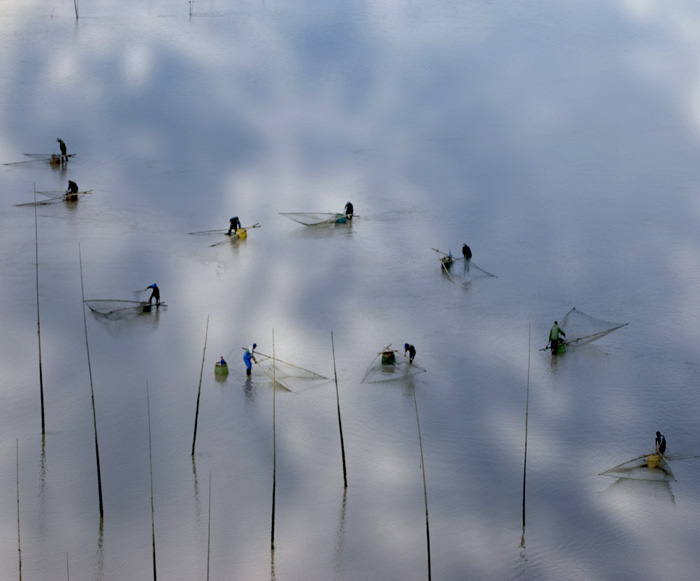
(555, 334)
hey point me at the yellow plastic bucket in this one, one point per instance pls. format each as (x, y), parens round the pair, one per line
(220, 369)
(241, 233)
(653, 461)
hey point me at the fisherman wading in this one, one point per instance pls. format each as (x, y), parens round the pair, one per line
(555, 334)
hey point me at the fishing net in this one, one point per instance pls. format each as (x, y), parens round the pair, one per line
(387, 368)
(282, 372)
(462, 271)
(119, 309)
(581, 328)
(315, 218)
(647, 467)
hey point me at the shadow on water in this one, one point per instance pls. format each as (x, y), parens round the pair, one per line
(322, 231)
(640, 490)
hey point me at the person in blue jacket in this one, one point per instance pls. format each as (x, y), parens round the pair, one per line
(234, 224)
(248, 358)
(155, 294)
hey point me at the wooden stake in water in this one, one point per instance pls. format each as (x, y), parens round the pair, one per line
(19, 543)
(92, 390)
(75, 5)
(340, 422)
(425, 488)
(274, 445)
(150, 464)
(527, 404)
(209, 529)
(199, 392)
(38, 322)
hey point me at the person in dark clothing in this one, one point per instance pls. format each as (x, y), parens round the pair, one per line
(466, 252)
(660, 443)
(411, 351)
(155, 294)
(234, 224)
(71, 192)
(64, 150)
(349, 210)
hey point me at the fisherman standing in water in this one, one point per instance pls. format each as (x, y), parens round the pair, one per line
(554, 341)
(248, 360)
(411, 351)
(234, 224)
(467, 253)
(349, 210)
(660, 443)
(64, 150)
(72, 192)
(155, 294)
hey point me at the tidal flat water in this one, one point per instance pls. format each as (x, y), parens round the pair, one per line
(561, 142)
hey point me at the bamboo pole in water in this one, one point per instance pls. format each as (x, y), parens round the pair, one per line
(75, 5)
(527, 404)
(209, 529)
(340, 422)
(274, 448)
(19, 543)
(199, 392)
(92, 390)
(425, 488)
(150, 464)
(38, 322)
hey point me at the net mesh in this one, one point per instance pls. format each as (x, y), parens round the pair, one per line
(315, 218)
(462, 271)
(641, 469)
(581, 328)
(282, 372)
(381, 370)
(118, 309)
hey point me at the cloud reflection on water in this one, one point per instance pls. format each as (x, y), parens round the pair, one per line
(552, 137)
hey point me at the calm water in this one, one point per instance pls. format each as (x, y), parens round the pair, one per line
(560, 142)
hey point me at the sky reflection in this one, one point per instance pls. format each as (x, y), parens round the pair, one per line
(560, 142)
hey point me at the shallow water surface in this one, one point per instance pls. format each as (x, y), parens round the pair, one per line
(560, 143)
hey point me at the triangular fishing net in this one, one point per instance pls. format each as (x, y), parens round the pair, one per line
(316, 218)
(394, 368)
(463, 271)
(118, 309)
(647, 467)
(283, 372)
(581, 328)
